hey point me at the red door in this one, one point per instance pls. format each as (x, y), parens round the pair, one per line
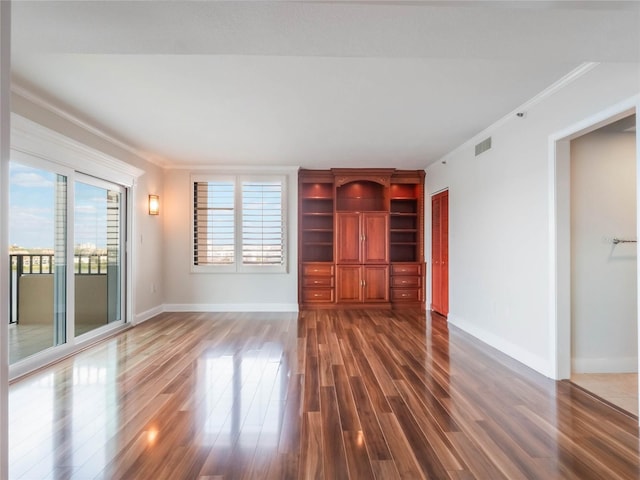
(440, 253)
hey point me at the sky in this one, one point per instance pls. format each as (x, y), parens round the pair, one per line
(32, 206)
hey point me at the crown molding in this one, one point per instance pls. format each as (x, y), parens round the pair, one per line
(56, 110)
(547, 92)
(32, 139)
(237, 169)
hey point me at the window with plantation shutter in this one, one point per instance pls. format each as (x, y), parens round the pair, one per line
(214, 223)
(239, 223)
(262, 223)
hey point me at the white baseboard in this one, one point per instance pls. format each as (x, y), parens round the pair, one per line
(231, 307)
(146, 315)
(605, 365)
(536, 362)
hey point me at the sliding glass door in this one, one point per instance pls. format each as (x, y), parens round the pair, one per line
(97, 254)
(37, 254)
(55, 215)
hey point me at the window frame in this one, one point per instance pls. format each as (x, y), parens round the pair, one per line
(237, 266)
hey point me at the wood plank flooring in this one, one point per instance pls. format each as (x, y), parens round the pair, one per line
(320, 395)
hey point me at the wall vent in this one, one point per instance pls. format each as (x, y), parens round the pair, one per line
(483, 146)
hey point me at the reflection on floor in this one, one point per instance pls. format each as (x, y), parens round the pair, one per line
(348, 394)
(621, 389)
(26, 340)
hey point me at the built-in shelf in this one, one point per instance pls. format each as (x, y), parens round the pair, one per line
(316, 209)
(404, 206)
(361, 228)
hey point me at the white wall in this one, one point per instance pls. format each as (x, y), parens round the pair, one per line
(148, 249)
(147, 231)
(603, 275)
(500, 221)
(222, 291)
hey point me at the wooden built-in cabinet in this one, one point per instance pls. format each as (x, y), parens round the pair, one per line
(316, 236)
(363, 283)
(316, 219)
(361, 238)
(317, 283)
(406, 282)
(362, 256)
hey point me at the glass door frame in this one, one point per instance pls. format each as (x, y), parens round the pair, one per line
(55, 169)
(124, 228)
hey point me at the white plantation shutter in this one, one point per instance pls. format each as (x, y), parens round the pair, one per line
(239, 223)
(262, 223)
(214, 223)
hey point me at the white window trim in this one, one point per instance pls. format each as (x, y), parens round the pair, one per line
(237, 266)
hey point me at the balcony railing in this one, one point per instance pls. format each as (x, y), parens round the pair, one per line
(44, 264)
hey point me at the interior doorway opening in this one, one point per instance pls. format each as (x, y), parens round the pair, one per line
(595, 282)
(604, 330)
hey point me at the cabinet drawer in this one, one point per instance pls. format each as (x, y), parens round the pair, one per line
(317, 269)
(405, 281)
(318, 295)
(405, 294)
(405, 269)
(317, 281)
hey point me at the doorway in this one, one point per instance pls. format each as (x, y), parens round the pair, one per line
(604, 330)
(594, 286)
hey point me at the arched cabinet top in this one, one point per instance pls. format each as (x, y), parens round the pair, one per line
(376, 175)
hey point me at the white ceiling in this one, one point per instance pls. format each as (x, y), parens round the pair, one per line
(312, 83)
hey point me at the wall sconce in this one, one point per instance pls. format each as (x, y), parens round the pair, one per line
(154, 204)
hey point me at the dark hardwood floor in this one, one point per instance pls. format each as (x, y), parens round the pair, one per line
(324, 394)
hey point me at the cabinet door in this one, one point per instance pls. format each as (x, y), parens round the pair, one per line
(349, 283)
(375, 232)
(376, 283)
(349, 238)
